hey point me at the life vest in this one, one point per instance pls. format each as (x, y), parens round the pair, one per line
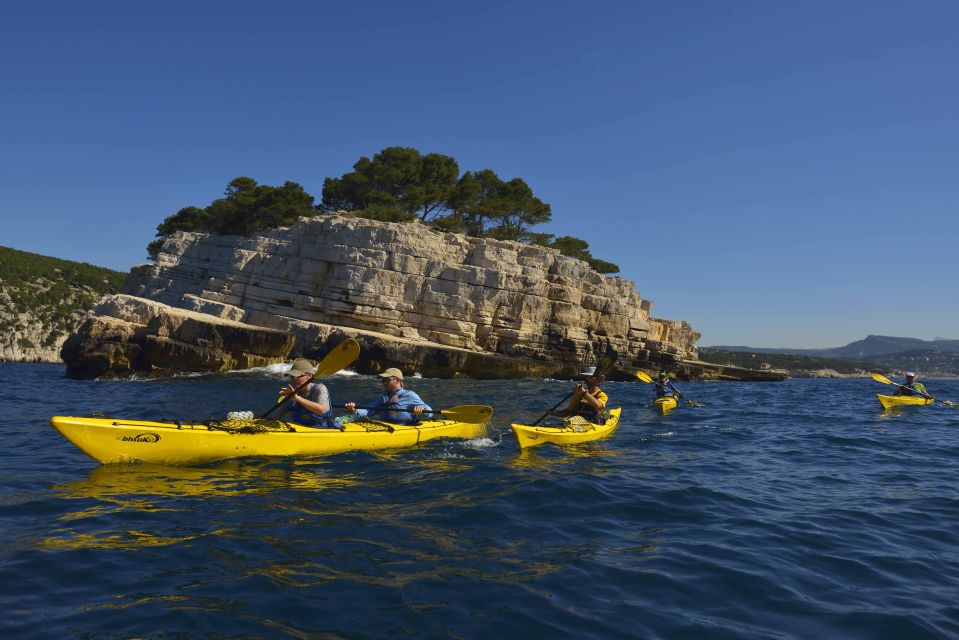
(664, 389)
(587, 411)
(301, 415)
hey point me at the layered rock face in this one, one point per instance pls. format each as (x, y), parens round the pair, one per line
(440, 303)
(131, 336)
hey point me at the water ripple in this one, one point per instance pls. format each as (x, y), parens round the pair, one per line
(763, 514)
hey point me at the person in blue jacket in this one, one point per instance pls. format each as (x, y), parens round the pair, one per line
(397, 405)
(308, 404)
(665, 388)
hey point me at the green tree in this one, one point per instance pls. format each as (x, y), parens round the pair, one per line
(492, 207)
(397, 180)
(247, 207)
(579, 249)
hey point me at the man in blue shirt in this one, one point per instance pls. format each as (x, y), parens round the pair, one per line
(665, 388)
(397, 405)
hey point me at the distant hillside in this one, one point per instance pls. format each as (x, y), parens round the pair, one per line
(43, 299)
(796, 365)
(884, 353)
(869, 346)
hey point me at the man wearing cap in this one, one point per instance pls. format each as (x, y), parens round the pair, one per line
(397, 405)
(308, 404)
(912, 388)
(664, 387)
(588, 401)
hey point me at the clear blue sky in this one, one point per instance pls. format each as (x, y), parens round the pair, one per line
(776, 173)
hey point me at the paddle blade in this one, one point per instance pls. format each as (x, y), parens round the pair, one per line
(339, 357)
(474, 413)
(642, 375)
(694, 403)
(882, 379)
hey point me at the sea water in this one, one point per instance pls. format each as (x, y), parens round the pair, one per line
(776, 510)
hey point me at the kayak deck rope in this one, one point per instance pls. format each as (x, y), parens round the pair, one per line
(249, 425)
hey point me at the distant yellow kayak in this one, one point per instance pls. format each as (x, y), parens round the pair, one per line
(891, 402)
(110, 440)
(665, 404)
(531, 436)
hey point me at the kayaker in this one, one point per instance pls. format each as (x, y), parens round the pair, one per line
(309, 405)
(397, 405)
(588, 401)
(665, 388)
(912, 388)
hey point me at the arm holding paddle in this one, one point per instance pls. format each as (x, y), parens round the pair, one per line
(339, 357)
(594, 376)
(644, 377)
(915, 389)
(388, 405)
(581, 394)
(316, 399)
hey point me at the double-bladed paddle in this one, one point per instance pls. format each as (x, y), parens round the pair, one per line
(339, 357)
(885, 380)
(643, 376)
(605, 364)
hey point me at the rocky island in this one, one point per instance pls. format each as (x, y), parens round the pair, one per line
(443, 304)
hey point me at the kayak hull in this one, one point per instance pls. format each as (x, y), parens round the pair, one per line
(892, 402)
(665, 404)
(110, 440)
(531, 436)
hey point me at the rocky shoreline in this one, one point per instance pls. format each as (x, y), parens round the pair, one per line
(443, 304)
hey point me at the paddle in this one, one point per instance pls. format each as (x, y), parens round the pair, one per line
(461, 413)
(642, 375)
(605, 365)
(339, 357)
(885, 380)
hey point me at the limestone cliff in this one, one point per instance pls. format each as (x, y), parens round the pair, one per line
(440, 303)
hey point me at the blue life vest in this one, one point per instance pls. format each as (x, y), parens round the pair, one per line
(301, 415)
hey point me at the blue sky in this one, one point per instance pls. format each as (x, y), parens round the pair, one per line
(777, 174)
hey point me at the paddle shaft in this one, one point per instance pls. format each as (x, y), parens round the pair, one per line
(885, 380)
(339, 356)
(606, 365)
(408, 409)
(644, 377)
(565, 399)
(287, 398)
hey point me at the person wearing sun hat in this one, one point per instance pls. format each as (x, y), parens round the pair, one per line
(308, 404)
(588, 400)
(397, 405)
(912, 388)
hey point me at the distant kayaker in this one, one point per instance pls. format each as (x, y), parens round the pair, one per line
(665, 388)
(309, 405)
(912, 388)
(397, 404)
(588, 401)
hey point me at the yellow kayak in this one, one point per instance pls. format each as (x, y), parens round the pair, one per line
(891, 402)
(530, 436)
(665, 404)
(110, 440)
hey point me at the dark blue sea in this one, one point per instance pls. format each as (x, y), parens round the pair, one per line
(777, 510)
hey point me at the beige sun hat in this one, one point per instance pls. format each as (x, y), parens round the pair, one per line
(392, 372)
(301, 367)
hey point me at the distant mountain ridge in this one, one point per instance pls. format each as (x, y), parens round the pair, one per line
(869, 347)
(888, 353)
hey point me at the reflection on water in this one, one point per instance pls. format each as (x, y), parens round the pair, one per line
(127, 485)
